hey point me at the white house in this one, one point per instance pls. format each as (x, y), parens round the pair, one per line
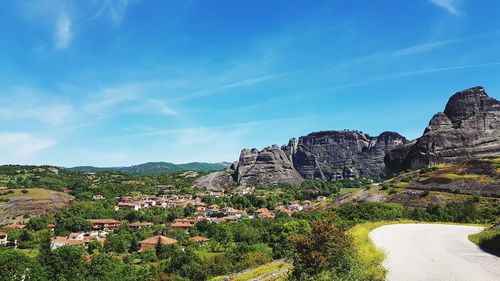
(3, 238)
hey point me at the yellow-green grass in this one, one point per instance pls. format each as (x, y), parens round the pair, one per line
(260, 271)
(488, 240)
(455, 176)
(401, 184)
(370, 257)
(204, 255)
(32, 253)
(32, 192)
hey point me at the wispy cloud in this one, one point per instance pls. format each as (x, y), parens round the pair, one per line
(390, 76)
(114, 9)
(63, 32)
(449, 6)
(18, 146)
(25, 103)
(422, 48)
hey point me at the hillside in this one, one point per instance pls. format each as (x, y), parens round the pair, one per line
(155, 168)
(19, 204)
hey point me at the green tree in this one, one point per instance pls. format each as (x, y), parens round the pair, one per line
(17, 266)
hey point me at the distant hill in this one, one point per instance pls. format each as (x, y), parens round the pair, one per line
(155, 168)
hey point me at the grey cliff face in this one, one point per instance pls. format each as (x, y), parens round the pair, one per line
(334, 155)
(329, 155)
(271, 166)
(468, 128)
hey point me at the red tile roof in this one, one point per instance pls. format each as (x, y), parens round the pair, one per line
(159, 238)
(104, 221)
(181, 224)
(197, 239)
(137, 224)
(14, 226)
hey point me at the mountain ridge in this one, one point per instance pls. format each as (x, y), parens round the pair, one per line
(154, 168)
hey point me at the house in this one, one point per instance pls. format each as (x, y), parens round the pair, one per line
(257, 212)
(138, 225)
(201, 210)
(181, 224)
(127, 205)
(104, 224)
(212, 209)
(295, 207)
(77, 238)
(283, 210)
(228, 211)
(3, 238)
(199, 239)
(263, 213)
(3, 188)
(14, 226)
(307, 203)
(51, 226)
(152, 242)
(98, 197)
(266, 215)
(60, 241)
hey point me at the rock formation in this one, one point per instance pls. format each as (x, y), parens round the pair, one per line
(271, 166)
(216, 181)
(468, 128)
(329, 155)
(334, 155)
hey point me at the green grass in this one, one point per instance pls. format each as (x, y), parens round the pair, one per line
(204, 255)
(370, 257)
(32, 253)
(488, 240)
(455, 176)
(32, 192)
(260, 272)
(401, 184)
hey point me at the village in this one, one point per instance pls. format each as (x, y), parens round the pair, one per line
(213, 213)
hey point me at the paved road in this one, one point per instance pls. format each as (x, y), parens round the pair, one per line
(416, 252)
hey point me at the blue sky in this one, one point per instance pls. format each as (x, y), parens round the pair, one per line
(125, 82)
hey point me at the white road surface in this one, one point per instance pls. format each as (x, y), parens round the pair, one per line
(418, 252)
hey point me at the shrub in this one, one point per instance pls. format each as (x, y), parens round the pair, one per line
(24, 191)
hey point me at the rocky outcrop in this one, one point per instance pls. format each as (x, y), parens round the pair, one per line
(334, 155)
(217, 181)
(328, 155)
(271, 166)
(468, 128)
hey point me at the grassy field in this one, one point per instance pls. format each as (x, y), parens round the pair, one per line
(273, 271)
(36, 193)
(488, 240)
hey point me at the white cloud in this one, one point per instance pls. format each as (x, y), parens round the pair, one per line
(25, 103)
(448, 5)
(63, 31)
(17, 147)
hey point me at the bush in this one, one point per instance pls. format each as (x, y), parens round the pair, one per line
(24, 191)
(148, 255)
(326, 251)
(488, 240)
